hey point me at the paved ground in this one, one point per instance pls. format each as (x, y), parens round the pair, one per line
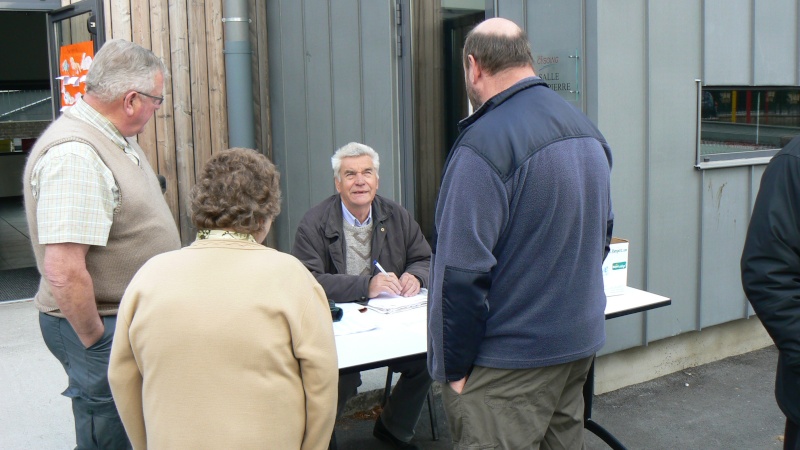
(728, 404)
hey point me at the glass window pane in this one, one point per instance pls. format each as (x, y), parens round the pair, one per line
(736, 120)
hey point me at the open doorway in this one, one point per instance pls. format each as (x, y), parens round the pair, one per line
(25, 111)
(440, 98)
(30, 97)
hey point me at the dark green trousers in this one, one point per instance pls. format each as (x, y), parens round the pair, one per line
(520, 408)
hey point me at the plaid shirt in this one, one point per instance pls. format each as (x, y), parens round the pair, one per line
(76, 192)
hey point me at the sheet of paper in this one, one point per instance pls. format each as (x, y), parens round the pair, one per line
(353, 320)
(387, 303)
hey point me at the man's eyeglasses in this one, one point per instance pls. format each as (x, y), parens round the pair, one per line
(156, 100)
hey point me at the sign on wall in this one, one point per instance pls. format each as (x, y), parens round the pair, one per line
(560, 69)
(74, 61)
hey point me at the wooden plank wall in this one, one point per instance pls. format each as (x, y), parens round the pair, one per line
(258, 40)
(192, 123)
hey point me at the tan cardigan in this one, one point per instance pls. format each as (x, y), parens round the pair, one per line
(225, 344)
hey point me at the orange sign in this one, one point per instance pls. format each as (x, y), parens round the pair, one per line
(73, 66)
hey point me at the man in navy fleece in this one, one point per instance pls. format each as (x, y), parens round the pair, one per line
(523, 222)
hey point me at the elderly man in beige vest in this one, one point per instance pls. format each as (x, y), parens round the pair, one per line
(96, 214)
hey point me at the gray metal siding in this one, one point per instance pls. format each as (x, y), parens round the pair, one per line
(673, 62)
(775, 42)
(728, 39)
(725, 215)
(333, 79)
(622, 117)
(686, 227)
(555, 28)
(749, 42)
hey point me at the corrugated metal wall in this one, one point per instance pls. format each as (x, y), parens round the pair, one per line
(686, 226)
(334, 79)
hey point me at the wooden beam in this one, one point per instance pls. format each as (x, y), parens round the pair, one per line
(182, 109)
(217, 93)
(261, 76)
(198, 73)
(164, 124)
(121, 15)
(428, 106)
(140, 33)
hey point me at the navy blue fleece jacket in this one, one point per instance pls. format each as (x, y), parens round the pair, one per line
(523, 222)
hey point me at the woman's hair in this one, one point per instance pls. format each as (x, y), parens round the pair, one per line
(120, 67)
(238, 189)
(351, 150)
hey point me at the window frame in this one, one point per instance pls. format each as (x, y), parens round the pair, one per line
(729, 159)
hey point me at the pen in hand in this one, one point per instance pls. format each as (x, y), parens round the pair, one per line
(378, 265)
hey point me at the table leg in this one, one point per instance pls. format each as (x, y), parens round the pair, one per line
(588, 423)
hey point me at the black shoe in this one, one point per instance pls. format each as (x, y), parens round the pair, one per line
(384, 435)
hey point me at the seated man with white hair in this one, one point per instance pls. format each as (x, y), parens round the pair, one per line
(338, 240)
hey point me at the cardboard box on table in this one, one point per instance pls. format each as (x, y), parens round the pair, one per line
(615, 268)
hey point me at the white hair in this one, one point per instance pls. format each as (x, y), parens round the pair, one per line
(122, 66)
(351, 150)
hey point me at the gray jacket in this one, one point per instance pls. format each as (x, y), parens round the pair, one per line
(397, 244)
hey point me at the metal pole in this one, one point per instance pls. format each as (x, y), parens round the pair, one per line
(238, 78)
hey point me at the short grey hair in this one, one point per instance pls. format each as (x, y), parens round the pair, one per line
(120, 67)
(351, 150)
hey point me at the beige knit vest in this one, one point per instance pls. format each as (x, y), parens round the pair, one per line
(142, 226)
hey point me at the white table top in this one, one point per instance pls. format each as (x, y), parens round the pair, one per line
(633, 301)
(404, 334)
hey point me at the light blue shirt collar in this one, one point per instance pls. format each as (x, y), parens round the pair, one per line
(351, 219)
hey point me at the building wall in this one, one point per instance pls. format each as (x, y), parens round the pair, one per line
(686, 226)
(334, 79)
(191, 125)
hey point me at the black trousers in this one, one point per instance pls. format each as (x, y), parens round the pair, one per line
(402, 411)
(791, 441)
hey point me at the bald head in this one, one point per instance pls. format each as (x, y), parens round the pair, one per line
(498, 44)
(499, 26)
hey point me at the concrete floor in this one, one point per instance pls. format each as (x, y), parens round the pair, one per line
(728, 404)
(15, 245)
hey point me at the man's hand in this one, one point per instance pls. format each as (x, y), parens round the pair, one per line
(409, 285)
(458, 386)
(384, 283)
(72, 287)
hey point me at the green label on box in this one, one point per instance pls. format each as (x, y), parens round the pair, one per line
(619, 265)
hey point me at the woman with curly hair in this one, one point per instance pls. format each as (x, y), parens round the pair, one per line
(226, 343)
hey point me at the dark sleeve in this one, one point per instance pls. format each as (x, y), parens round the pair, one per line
(609, 230)
(473, 209)
(418, 252)
(771, 257)
(311, 248)
(610, 220)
